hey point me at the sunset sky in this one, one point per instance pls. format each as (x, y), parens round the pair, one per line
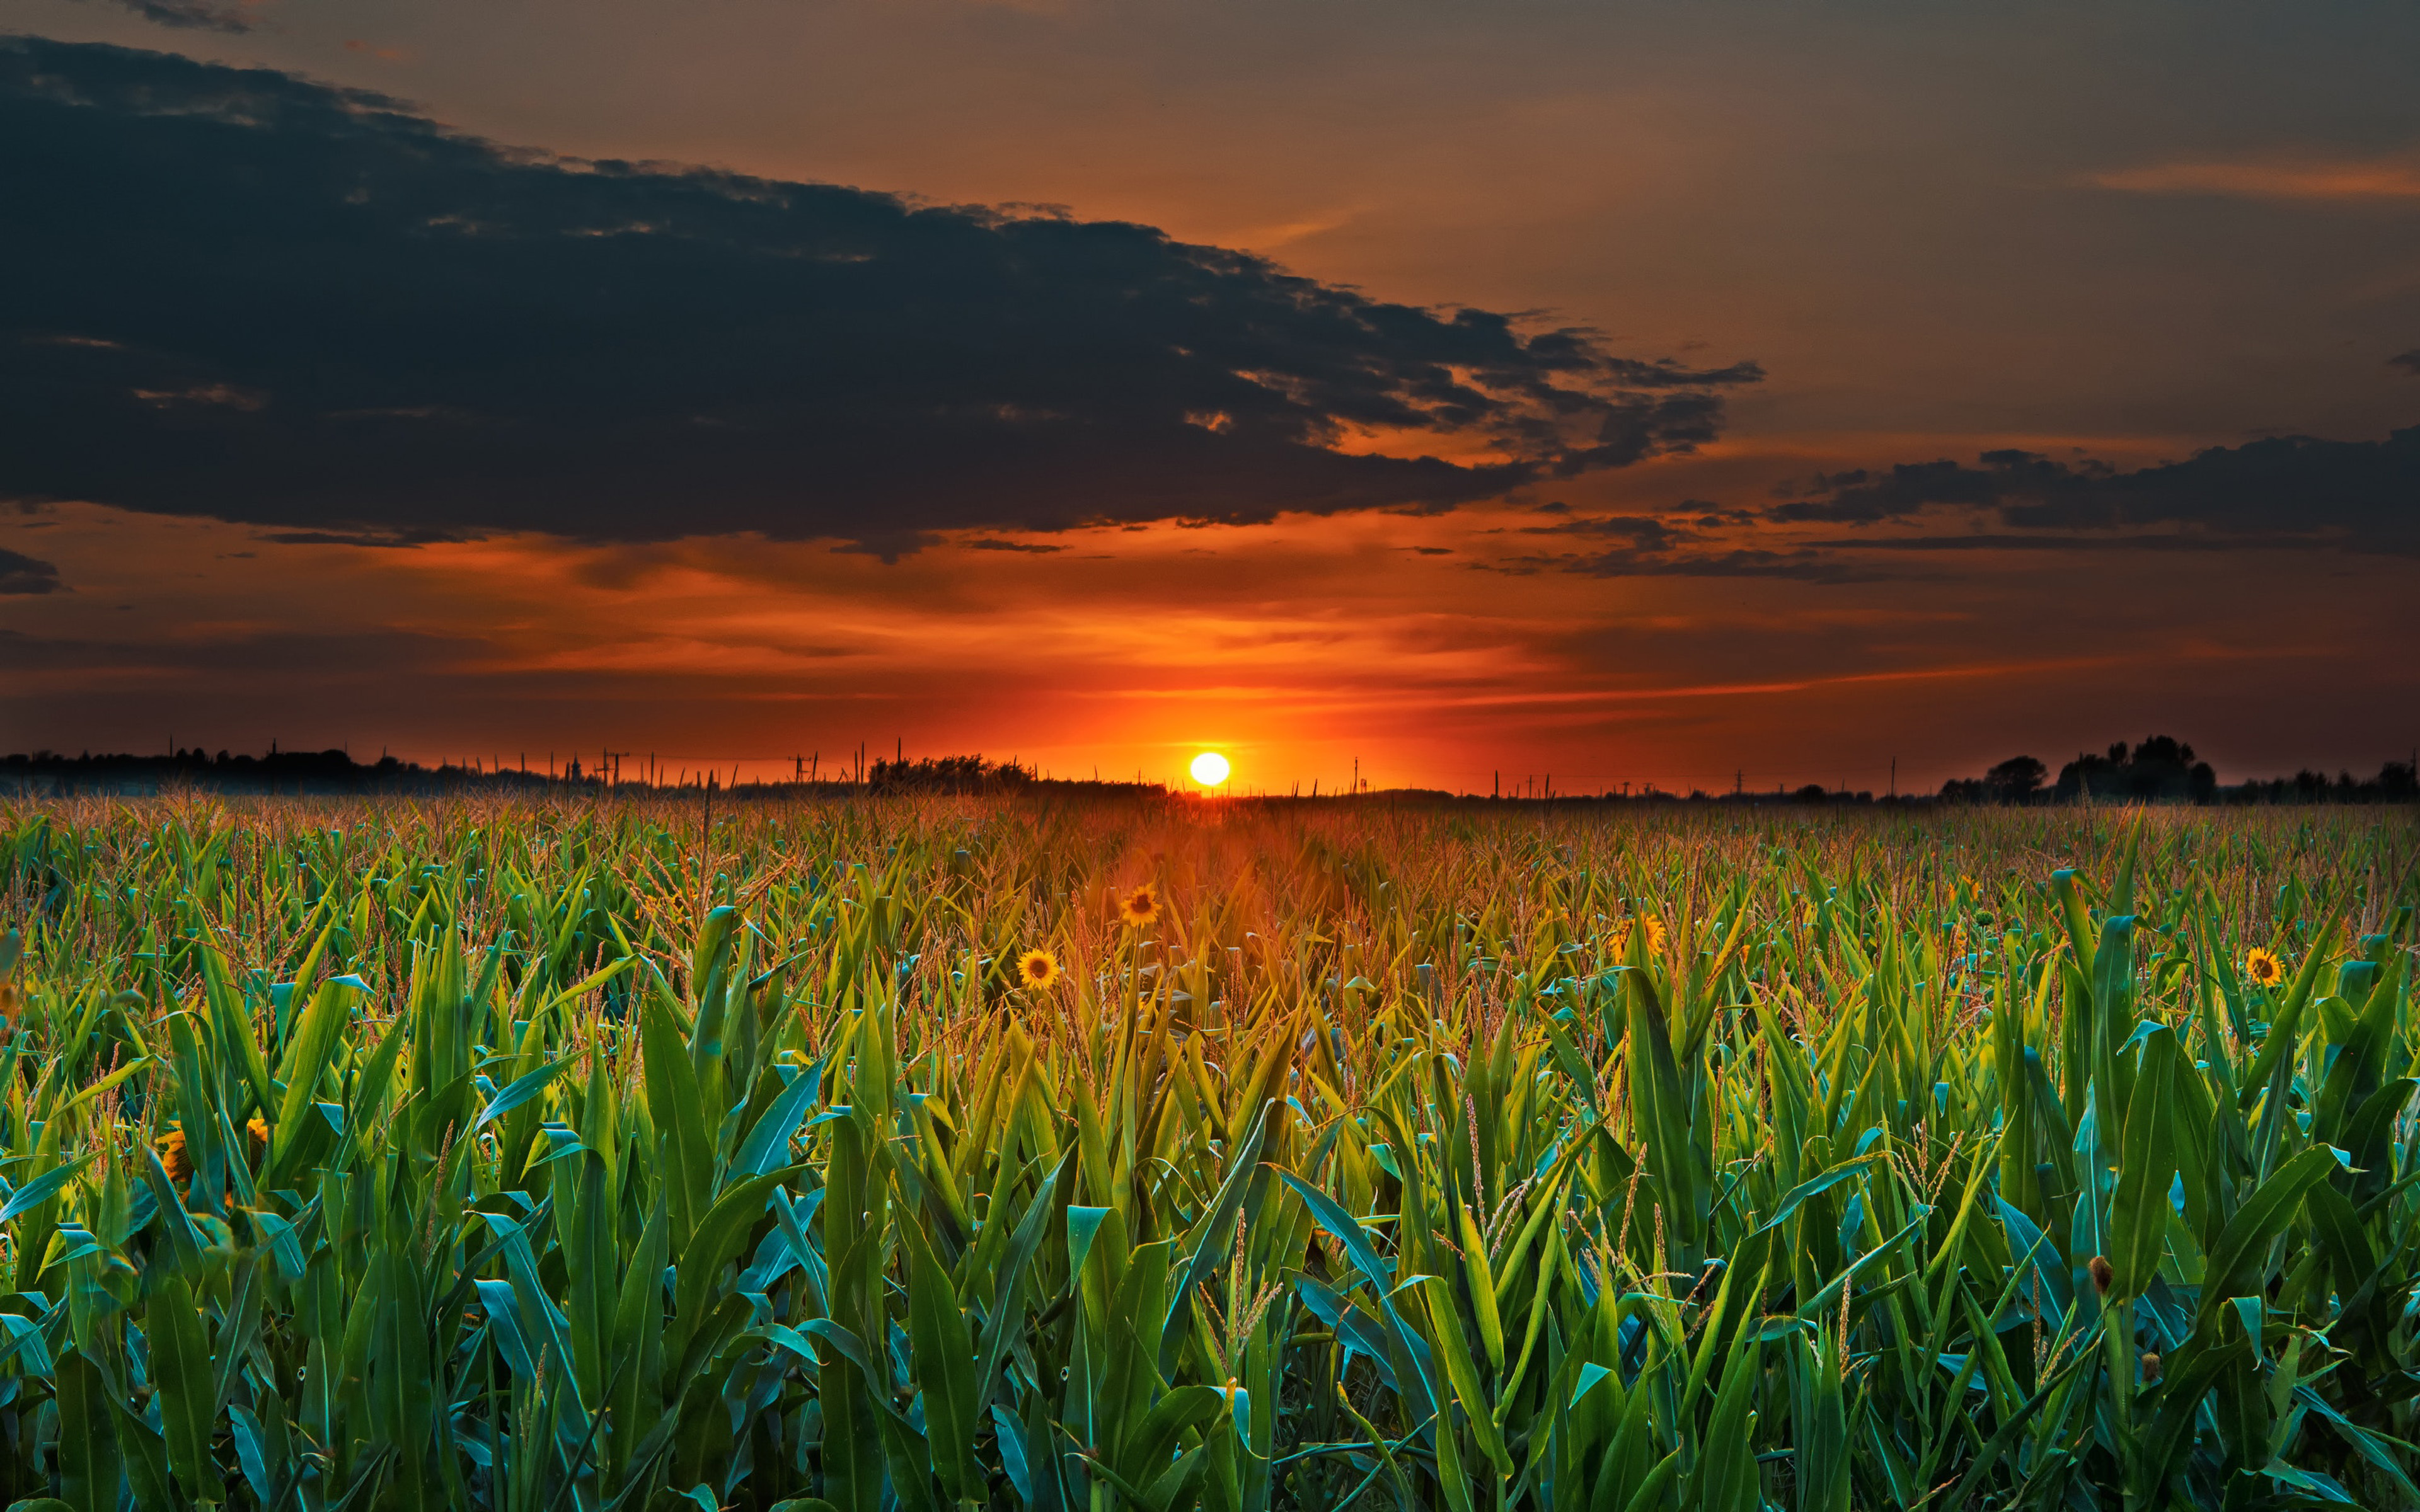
(1677, 394)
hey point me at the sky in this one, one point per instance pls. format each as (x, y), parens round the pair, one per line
(1701, 396)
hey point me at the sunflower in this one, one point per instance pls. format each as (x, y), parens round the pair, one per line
(258, 1129)
(1140, 907)
(1036, 969)
(2264, 968)
(172, 1156)
(1654, 935)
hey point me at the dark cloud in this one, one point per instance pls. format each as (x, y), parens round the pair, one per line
(193, 15)
(276, 653)
(2409, 362)
(1643, 531)
(989, 544)
(21, 574)
(1800, 564)
(2010, 541)
(379, 538)
(240, 294)
(2355, 496)
(1653, 548)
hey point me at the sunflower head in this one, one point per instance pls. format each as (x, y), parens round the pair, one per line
(1036, 969)
(172, 1158)
(1140, 907)
(2264, 968)
(1655, 932)
(258, 1129)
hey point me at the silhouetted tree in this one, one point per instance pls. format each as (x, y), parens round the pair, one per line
(2161, 769)
(2017, 779)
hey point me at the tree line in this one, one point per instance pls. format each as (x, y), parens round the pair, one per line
(2163, 769)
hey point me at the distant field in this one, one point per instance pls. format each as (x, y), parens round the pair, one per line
(1081, 1156)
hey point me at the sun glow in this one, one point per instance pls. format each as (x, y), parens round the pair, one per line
(1210, 769)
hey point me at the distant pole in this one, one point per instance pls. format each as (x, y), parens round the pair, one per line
(1739, 781)
(1894, 788)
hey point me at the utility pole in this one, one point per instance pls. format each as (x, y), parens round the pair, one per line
(1739, 781)
(1894, 787)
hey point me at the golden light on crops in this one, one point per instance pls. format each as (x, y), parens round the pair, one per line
(1210, 769)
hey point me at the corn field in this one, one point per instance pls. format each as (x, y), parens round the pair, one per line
(1072, 1157)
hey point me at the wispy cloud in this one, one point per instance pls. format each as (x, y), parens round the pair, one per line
(2394, 177)
(196, 15)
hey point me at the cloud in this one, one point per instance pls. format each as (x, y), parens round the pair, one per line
(2353, 496)
(2409, 362)
(992, 544)
(1803, 564)
(393, 539)
(239, 294)
(276, 652)
(2275, 178)
(195, 15)
(21, 574)
(1653, 548)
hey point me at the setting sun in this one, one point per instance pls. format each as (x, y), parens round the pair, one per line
(1209, 768)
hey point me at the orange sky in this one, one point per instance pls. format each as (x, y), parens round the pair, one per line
(2071, 232)
(1296, 649)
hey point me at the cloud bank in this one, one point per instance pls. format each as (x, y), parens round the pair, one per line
(2286, 491)
(21, 574)
(240, 294)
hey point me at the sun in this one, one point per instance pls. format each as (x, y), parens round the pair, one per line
(1210, 769)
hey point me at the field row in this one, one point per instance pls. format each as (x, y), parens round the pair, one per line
(1076, 1156)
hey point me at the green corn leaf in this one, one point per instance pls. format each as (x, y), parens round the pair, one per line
(2138, 1208)
(944, 1362)
(2236, 1261)
(308, 1050)
(181, 1364)
(89, 1461)
(1454, 1348)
